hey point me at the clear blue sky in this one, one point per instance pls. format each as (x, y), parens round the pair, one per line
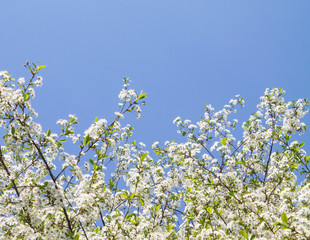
(184, 54)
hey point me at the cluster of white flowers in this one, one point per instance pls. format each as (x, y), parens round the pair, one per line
(126, 95)
(211, 186)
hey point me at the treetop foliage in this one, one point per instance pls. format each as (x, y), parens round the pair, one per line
(211, 186)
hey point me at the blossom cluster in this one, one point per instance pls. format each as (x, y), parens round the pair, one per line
(211, 186)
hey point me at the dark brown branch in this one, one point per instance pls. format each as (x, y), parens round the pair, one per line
(28, 220)
(53, 178)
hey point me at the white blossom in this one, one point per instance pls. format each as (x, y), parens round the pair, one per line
(213, 185)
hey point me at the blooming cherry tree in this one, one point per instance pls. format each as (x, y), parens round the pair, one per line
(211, 186)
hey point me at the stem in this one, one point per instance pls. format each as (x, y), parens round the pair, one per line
(28, 219)
(53, 178)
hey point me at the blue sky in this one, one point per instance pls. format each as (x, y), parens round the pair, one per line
(184, 54)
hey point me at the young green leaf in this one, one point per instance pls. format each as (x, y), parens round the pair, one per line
(143, 156)
(142, 95)
(41, 67)
(245, 234)
(48, 132)
(87, 140)
(284, 218)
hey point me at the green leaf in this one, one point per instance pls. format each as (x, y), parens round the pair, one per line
(26, 96)
(284, 218)
(91, 161)
(224, 141)
(144, 156)
(169, 227)
(132, 108)
(87, 140)
(157, 207)
(301, 144)
(124, 195)
(231, 193)
(240, 162)
(97, 168)
(76, 237)
(41, 67)
(70, 233)
(68, 132)
(132, 195)
(142, 95)
(129, 216)
(73, 121)
(63, 140)
(96, 230)
(209, 210)
(141, 201)
(245, 234)
(48, 133)
(12, 130)
(111, 184)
